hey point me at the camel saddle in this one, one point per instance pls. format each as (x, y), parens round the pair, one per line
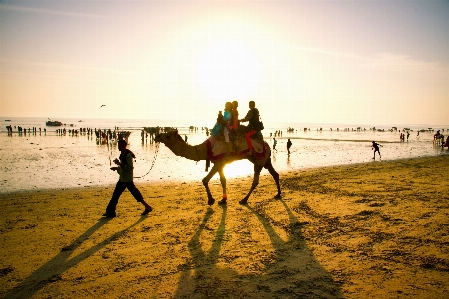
(219, 149)
(240, 132)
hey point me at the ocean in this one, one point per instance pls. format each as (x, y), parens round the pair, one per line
(48, 160)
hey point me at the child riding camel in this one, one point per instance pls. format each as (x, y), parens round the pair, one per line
(234, 124)
(222, 125)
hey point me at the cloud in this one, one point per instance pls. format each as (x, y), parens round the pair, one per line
(385, 61)
(65, 66)
(46, 11)
(400, 62)
(331, 53)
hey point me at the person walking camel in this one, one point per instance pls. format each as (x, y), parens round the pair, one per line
(125, 169)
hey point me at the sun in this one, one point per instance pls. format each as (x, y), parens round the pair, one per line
(227, 70)
(239, 169)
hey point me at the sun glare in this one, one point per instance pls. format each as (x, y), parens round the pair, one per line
(228, 70)
(238, 169)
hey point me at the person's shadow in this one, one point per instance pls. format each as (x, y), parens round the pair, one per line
(52, 270)
(292, 272)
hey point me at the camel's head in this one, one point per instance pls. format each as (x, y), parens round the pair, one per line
(167, 138)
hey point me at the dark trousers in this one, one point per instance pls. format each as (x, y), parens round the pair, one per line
(119, 188)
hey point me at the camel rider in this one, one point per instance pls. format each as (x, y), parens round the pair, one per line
(218, 125)
(227, 117)
(222, 121)
(234, 124)
(254, 123)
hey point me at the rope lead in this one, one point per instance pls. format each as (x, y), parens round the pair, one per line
(152, 163)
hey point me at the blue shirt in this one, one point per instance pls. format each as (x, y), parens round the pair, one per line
(218, 126)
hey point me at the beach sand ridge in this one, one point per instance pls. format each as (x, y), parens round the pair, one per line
(372, 230)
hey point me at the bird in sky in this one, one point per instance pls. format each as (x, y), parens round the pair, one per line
(101, 106)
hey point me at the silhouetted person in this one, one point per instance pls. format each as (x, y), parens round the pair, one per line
(125, 170)
(254, 123)
(289, 145)
(375, 146)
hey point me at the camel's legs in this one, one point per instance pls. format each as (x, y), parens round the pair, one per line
(257, 170)
(223, 185)
(274, 174)
(212, 172)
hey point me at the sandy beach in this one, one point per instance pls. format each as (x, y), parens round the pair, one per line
(370, 230)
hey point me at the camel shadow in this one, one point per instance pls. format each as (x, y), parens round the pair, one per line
(294, 263)
(51, 271)
(204, 264)
(291, 271)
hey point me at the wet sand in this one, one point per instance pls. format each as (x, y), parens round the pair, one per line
(371, 230)
(36, 162)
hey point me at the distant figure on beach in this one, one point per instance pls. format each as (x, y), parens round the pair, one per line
(375, 146)
(289, 145)
(274, 144)
(185, 138)
(438, 138)
(125, 169)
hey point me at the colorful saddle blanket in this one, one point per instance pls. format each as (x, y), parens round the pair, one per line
(217, 149)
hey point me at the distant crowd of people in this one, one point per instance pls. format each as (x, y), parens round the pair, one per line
(226, 127)
(101, 135)
(24, 131)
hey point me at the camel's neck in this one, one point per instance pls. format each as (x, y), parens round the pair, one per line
(182, 149)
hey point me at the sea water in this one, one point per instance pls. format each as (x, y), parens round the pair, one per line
(47, 160)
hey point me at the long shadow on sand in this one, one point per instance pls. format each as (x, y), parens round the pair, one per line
(191, 282)
(291, 272)
(299, 274)
(52, 270)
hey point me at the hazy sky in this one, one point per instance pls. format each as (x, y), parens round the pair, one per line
(356, 62)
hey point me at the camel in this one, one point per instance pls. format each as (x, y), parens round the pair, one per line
(200, 152)
(153, 131)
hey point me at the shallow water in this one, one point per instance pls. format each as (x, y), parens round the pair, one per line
(47, 160)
